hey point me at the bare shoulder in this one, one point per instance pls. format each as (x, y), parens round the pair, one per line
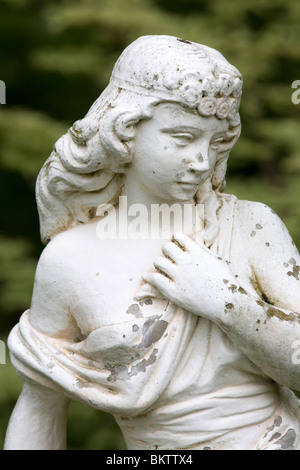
(255, 214)
(259, 225)
(57, 283)
(60, 258)
(272, 254)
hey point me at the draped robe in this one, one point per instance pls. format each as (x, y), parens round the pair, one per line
(172, 380)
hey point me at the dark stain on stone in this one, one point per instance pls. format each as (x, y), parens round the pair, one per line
(148, 302)
(242, 291)
(296, 269)
(232, 288)
(184, 41)
(276, 312)
(277, 422)
(82, 383)
(120, 372)
(135, 310)
(153, 330)
(257, 286)
(287, 441)
(229, 306)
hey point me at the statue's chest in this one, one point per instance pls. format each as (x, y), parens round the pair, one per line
(110, 281)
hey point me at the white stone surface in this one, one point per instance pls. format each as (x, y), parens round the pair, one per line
(189, 341)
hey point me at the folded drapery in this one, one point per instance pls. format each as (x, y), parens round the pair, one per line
(172, 380)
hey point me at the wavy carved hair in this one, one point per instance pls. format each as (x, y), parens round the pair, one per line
(88, 164)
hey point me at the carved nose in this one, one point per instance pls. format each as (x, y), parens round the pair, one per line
(199, 163)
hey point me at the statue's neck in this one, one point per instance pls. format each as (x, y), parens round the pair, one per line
(136, 193)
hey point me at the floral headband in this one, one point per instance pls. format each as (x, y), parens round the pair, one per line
(211, 96)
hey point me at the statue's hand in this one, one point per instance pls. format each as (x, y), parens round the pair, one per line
(192, 277)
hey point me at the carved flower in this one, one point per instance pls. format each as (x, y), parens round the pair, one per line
(233, 107)
(207, 106)
(226, 84)
(191, 92)
(223, 108)
(209, 86)
(237, 88)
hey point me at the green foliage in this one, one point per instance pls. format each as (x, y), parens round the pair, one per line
(89, 429)
(17, 272)
(56, 57)
(36, 134)
(11, 386)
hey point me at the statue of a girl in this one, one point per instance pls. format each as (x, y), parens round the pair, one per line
(187, 342)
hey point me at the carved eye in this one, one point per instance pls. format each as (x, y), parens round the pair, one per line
(183, 138)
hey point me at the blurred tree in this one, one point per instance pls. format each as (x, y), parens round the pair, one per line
(56, 57)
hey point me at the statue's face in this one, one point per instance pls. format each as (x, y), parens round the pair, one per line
(175, 151)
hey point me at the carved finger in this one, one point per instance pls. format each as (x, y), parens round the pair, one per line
(164, 265)
(172, 251)
(161, 282)
(184, 241)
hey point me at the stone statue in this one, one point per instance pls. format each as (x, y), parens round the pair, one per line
(187, 341)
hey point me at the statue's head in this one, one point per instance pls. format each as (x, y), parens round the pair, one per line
(88, 163)
(173, 69)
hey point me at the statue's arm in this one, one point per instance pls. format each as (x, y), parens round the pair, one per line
(265, 326)
(38, 421)
(268, 329)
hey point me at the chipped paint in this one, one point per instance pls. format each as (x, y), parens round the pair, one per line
(120, 372)
(146, 302)
(233, 288)
(242, 291)
(82, 383)
(135, 310)
(153, 330)
(285, 441)
(296, 269)
(276, 312)
(229, 306)
(277, 423)
(179, 176)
